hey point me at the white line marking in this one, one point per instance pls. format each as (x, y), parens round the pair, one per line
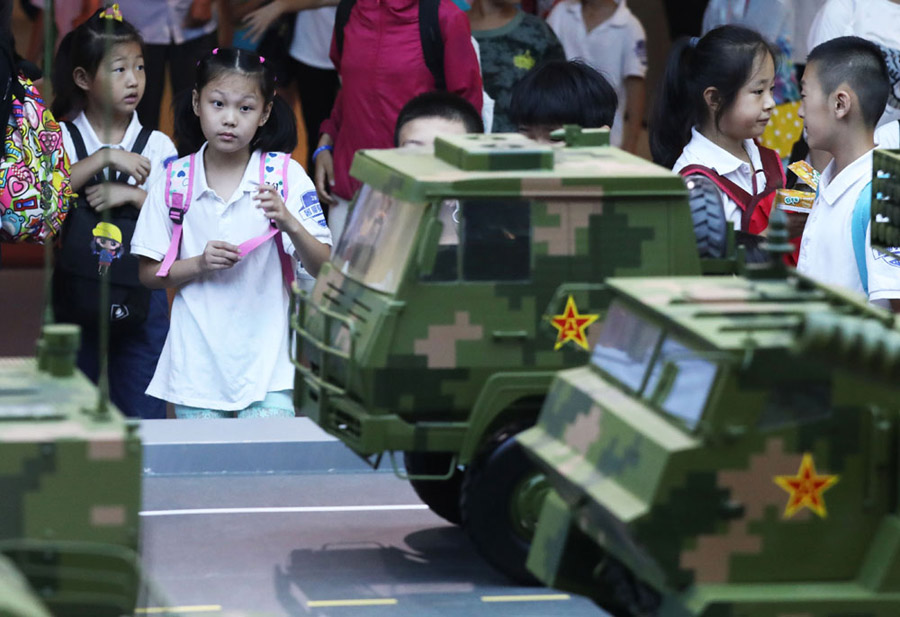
(288, 510)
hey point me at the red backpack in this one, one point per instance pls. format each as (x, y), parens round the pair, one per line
(755, 209)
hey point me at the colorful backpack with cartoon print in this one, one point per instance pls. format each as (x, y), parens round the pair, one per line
(273, 170)
(34, 172)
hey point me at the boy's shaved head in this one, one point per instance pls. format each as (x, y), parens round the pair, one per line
(858, 63)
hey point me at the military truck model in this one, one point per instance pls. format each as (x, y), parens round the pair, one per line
(70, 478)
(730, 450)
(464, 280)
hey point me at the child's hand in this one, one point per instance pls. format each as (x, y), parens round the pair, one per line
(110, 195)
(270, 202)
(219, 255)
(131, 163)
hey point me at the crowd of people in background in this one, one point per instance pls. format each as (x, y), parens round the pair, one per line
(386, 73)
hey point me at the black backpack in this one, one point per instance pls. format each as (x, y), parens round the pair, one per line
(429, 31)
(91, 249)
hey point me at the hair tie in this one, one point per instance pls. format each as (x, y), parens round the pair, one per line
(111, 12)
(215, 51)
(694, 40)
(262, 60)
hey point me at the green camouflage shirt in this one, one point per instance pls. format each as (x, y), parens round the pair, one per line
(508, 53)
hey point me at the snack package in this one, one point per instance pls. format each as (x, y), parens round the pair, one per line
(806, 174)
(791, 200)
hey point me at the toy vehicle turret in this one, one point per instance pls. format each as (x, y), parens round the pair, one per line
(465, 279)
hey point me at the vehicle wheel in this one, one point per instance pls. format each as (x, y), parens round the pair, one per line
(502, 495)
(708, 214)
(621, 594)
(442, 496)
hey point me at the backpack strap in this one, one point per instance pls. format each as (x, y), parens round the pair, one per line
(859, 223)
(341, 17)
(81, 150)
(772, 169)
(138, 148)
(432, 41)
(273, 170)
(179, 187)
(734, 192)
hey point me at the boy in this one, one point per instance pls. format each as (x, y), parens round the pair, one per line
(844, 91)
(431, 114)
(607, 35)
(560, 92)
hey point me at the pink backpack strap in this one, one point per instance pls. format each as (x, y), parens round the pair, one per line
(179, 188)
(273, 169)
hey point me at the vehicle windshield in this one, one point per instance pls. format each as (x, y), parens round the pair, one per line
(377, 240)
(659, 368)
(626, 346)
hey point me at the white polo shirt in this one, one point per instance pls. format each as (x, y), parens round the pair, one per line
(159, 148)
(617, 48)
(887, 136)
(826, 251)
(702, 151)
(228, 339)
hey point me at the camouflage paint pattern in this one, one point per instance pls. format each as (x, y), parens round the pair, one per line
(434, 365)
(16, 598)
(70, 480)
(778, 498)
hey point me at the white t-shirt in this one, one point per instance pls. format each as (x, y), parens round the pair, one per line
(228, 339)
(701, 151)
(161, 22)
(875, 20)
(617, 48)
(826, 251)
(887, 136)
(159, 148)
(312, 37)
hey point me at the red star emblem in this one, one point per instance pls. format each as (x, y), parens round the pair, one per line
(571, 325)
(806, 488)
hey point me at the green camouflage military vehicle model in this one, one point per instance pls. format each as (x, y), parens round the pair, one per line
(730, 451)
(465, 279)
(70, 479)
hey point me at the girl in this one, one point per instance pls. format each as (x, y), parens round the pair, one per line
(227, 350)
(99, 80)
(715, 101)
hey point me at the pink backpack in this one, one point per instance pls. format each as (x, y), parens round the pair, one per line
(273, 168)
(34, 172)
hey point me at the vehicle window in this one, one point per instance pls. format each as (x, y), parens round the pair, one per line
(377, 240)
(686, 396)
(626, 346)
(447, 258)
(496, 240)
(796, 402)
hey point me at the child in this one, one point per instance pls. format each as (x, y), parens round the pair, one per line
(227, 350)
(715, 101)
(844, 91)
(431, 114)
(511, 42)
(99, 79)
(561, 92)
(606, 35)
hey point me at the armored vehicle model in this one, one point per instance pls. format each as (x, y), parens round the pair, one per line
(886, 202)
(730, 451)
(70, 477)
(16, 598)
(464, 280)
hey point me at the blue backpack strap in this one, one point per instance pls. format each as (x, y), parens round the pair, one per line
(862, 212)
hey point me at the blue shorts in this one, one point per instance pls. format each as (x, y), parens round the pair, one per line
(278, 404)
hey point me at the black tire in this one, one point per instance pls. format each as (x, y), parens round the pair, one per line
(708, 215)
(488, 489)
(442, 496)
(622, 595)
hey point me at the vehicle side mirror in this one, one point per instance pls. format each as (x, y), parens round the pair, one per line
(426, 253)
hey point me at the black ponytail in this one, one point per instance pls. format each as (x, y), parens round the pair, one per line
(278, 134)
(723, 59)
(85, 47)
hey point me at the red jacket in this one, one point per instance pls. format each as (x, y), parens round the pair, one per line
(383, 67)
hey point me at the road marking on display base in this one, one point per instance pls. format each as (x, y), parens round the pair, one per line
(155, 610)
(369, 602)
(286, 510)
(549, 597)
